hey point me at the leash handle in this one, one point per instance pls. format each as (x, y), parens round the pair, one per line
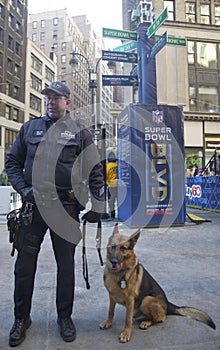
(84, 257)
(99, 240)
(98, 246)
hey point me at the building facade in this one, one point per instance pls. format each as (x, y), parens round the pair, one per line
(13, 34)
(188, 75)
(40, 72)
(59, 34)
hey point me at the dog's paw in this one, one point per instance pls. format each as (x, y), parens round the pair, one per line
(105, 324)
(145, 324)
(125, 336)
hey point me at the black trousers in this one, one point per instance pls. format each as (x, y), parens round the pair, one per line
(26, 265)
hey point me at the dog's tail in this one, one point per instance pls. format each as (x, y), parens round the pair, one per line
(191, 313)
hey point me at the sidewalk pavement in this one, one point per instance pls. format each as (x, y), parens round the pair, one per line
(184, 260)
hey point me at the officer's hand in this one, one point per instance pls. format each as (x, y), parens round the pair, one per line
(91, 216)
(27, 194)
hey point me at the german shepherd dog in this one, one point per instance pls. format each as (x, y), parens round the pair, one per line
(130, 285)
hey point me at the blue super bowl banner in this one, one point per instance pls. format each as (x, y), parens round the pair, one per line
(151, 190)
(203, 192)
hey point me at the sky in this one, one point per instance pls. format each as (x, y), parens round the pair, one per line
(101, 13)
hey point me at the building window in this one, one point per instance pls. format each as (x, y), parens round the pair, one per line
(190, 11)
(34, 37)
(35, 103)
(16, 92)
(15, 115)
(63, 46)
(170, 7)
(207, 99)
(63, 58)
(17, 70)
(49, 74)
(217, 15)
(10, 43)
(36, 83)
(205, 14)
(55, 21)
(1, 35)
(43, 23)
(7, 112)
(18, 28)
(7, 89)
(12, 3)
(18, 48)
(191, 52)
(10, 66)
(10, 136)
(11, 21)
(206, 55)
(42, 36)
(55, 34)
(2, 11)
(34, 25)
(42, 47)
(36, 63)
(63, 70)
(19, 8)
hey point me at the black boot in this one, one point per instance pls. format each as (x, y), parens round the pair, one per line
(67, 329)
(113, 214)
(17, 333)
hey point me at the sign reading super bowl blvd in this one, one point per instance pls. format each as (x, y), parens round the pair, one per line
(172, 40)
(157, 23)
(119, 80)
(119, 56)
(130, 46)
(119, 34)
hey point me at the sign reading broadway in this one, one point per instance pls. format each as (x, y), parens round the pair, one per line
(157, 23)
(119, 34)
(119, 56)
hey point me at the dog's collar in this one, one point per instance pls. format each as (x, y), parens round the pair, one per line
(123, 283)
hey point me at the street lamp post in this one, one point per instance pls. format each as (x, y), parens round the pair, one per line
(92, 82)
(93, 86)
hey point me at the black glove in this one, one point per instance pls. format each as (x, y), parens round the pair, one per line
(27, 194)
(91, 216)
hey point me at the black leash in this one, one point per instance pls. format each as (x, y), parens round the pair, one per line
(98, 247)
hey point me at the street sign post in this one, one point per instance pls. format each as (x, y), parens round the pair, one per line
(175, 41)
(119, 80)
(157, 23)
(130, 46)
(159, 44)
(119, 34)
(119, 56)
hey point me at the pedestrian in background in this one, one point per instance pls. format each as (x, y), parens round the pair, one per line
(112, 182)
(4, 178)
(43, 167)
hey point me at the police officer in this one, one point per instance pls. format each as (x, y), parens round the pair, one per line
(46, 165)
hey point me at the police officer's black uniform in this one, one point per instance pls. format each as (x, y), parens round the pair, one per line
(39, 143)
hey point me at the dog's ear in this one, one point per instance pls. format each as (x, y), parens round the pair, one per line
(115, 231)
(134, 237)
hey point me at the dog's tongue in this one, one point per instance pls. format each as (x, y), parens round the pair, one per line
(117, 267)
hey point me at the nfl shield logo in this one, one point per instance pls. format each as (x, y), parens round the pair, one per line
(157, 116)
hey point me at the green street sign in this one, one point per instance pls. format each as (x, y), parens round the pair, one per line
(157, 23)
(119, 34)
(172, 40)
(132, 45)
